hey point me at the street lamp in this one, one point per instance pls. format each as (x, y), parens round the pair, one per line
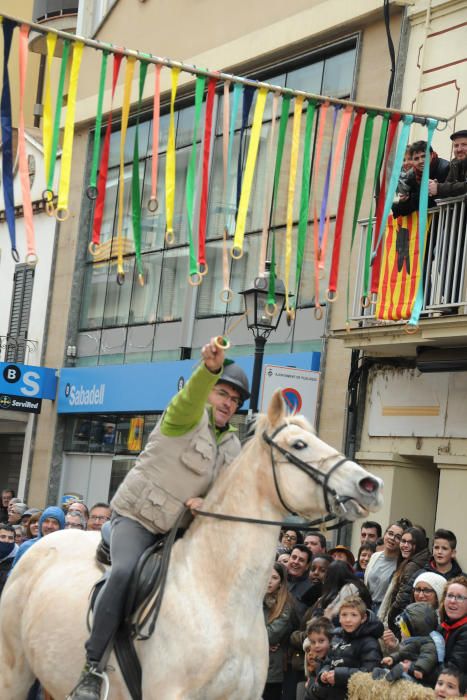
(262, 318)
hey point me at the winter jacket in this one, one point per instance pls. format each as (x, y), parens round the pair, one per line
(456, 643)
(454, 571)
(304, 591)
(278, 633)
(420, 648)
(172, 468)
(439, 168)
(357, 651)
(402, 590)
(456, 180)
(50, 512)
(5, 565)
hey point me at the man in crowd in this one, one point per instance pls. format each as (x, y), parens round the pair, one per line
(98, 515)
(74, 521)
(455, 183)
(16, 512)
(443, 561)
(51, 520)
(316, 542)
(8, 550)
(80, 507)
(439, 168)
(7, 495)
(370, 532)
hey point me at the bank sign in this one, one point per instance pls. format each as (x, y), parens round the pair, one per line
(22, 387)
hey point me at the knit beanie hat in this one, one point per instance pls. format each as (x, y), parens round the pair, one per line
(435, 581)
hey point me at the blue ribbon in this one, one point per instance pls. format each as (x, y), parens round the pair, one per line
(324, 202)
(422, 218)
(396, 170)
(237, 93)
(7, 138)
(248, 94)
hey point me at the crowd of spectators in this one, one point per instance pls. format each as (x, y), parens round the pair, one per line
(396, 611)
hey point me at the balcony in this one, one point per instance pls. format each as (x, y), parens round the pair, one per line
(23, 350)
(443, 319)
(57, 14)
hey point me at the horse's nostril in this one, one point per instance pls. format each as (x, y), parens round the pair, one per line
(369, 485)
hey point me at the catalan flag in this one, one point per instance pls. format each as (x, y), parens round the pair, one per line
(401, 268)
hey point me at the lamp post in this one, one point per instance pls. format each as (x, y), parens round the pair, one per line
(262, 319)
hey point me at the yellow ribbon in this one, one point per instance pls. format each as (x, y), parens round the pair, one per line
(47, 126)
(67, 149)
(129, 70)
(297, 118)
(249, 172)
(170, 161)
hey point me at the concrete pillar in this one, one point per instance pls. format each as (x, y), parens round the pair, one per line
(451, 510)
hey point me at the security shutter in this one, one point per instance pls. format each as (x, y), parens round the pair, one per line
(19, 313)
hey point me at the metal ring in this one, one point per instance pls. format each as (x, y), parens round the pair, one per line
(152, 205)
(333, 298)
(49, 208)
(169, 237)
(234, 254)
(347, 327)
(31, 259)
(226, 296)
(412, 331)
(268, 307)
(222, 342)
(203, 271)
(94, 248)
(290, 316)
(120, 278)
(365, 302)
(64, 216)
(15, 255)
(195, 279)
(91, 192)
(141, 280)
(444, 127)
(47, 195)
(318, 313)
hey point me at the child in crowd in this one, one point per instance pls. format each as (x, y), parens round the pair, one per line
(451, 683)
(354, 648)
(444, 555)
(318, 643)
(421, 648)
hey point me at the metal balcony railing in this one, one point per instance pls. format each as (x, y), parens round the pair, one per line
(444, 265)
(17, 349)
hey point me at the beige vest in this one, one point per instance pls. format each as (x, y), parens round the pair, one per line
(169, 471)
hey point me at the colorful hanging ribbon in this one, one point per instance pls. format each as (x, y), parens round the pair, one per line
(237, 95)
(327, 181)
(269, 173)
(31, 255)
(248, 94)
(237, 248)
(203, 210)
(226, 293)
(297, 120)
(49, 193)
(135, 183)
(62, 212)
(153, 203)
(129, 70)
(304, 196)
(323, 110)
(422, 223)
(170, 162)
(7, 139)
(47, 125)
(332, 287)
(194, 277)
(92, 189)
(104, 166)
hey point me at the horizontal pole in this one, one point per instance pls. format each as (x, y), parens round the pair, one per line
(219, 75)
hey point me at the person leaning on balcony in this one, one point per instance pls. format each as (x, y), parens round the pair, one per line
(439, 168)
(456, 180)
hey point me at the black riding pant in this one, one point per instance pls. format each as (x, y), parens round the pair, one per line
(128, 541)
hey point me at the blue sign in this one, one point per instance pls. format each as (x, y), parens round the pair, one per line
(139, 388)
(28, 381)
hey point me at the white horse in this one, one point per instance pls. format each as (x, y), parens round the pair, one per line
(210, 641)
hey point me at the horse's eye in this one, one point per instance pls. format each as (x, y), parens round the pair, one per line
(299, 445)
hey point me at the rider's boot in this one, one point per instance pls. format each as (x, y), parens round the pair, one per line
(89, 684)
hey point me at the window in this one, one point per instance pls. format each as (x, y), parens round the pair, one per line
(19, 313)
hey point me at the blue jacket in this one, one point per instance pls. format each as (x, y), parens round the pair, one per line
(50, 512)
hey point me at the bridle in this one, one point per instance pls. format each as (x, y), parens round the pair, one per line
(319, 477)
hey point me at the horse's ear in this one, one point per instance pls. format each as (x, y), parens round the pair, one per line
(276, 408)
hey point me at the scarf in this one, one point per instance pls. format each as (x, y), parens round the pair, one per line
(448, 628)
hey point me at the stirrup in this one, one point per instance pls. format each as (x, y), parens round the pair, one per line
(105, 680)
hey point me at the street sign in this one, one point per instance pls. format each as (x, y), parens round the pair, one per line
(9, 402)
(28, 381)
(299, 389)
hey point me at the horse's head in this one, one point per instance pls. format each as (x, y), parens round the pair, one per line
(310, 476)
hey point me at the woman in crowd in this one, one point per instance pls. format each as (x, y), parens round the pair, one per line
(289, 538)
(32, 529)
(339, 583)
(414, 556)
(363, 557)
(278, 611)
(453, 615)
(382, 564)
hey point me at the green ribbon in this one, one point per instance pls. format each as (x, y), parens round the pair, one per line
(191, 172)
(135, 183)
(305, 194)
(283, 123)
(369, 233)
(92, 189)
(58, 115)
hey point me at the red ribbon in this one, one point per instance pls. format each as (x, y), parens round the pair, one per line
(205, 182)
(342, 200)
(376, 266)
(104, 164)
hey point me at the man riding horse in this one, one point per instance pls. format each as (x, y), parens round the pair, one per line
(192, 442)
